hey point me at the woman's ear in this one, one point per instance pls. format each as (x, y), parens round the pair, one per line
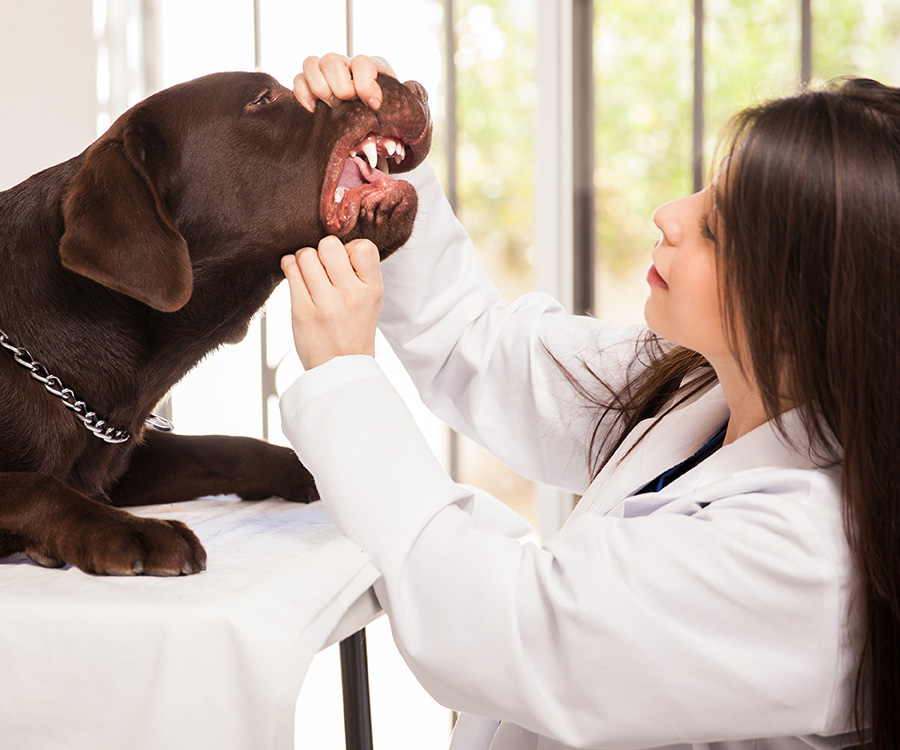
(118, 231)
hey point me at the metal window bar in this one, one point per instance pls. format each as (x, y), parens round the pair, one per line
(583, 210)
(697, 118)
(806, 34)
(267, 372)
(353, 650)
(452, 145)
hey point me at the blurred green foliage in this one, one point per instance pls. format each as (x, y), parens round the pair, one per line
(643, 61)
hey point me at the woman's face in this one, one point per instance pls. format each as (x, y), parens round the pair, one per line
(684, 305)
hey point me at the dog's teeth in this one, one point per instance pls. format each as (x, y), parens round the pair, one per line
(339, 195)
(390, 146)
(371, 152)
(383, 164)
(398, 159)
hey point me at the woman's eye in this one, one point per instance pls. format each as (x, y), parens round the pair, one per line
(705, 230)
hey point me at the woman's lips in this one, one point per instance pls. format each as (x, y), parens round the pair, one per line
(654, 279)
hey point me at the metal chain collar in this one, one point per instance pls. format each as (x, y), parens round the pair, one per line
(92, 422)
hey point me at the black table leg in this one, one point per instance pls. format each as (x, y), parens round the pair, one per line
(355, 683)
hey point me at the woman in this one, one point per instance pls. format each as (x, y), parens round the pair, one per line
(729, 578)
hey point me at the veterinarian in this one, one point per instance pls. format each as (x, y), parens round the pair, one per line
(730, 576)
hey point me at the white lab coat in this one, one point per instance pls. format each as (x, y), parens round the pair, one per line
(716, 613)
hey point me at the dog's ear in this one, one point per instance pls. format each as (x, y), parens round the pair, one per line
(118, 231)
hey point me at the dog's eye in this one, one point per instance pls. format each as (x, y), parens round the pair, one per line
(266, 97)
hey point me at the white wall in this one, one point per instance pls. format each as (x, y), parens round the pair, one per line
(48, 84)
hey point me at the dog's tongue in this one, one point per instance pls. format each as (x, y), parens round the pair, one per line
(351, 176)
(357, 179)
(357, 172)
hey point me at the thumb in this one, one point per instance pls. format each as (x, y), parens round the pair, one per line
(366, 261)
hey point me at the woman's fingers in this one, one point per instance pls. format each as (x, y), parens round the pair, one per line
(334, 269)
(335, 299)
(313, 84)
(335, 77)
(302, 91)
(335, 69)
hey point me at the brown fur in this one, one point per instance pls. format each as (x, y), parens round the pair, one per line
(127, 264)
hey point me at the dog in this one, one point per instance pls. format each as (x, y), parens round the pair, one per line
(127, 264)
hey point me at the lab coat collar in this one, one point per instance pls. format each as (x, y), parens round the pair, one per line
(677, 437)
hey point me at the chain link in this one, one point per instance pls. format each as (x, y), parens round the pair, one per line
(90, 419)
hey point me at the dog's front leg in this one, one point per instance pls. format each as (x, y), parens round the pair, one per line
(168, 468)
(54, 524)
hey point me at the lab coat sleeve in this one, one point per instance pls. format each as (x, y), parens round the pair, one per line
(484, 367)
(618, 633)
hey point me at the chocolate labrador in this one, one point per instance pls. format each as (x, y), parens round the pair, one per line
(127, 264)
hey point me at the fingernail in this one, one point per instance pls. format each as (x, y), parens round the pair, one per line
(374, 103)
(311, 103)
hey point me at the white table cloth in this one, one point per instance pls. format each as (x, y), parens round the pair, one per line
(214, 660)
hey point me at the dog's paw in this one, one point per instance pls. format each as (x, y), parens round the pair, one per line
(273, 471)
(44, 560)
(294, 482)
(125, 545)
(303, 493)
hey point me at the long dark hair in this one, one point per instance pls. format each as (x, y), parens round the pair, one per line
(809, 257)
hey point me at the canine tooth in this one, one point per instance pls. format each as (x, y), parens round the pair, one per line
(339, 195)
(390, 146)
(371, 152)
(383, 165)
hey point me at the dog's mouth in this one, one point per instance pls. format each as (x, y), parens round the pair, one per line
(359, 184)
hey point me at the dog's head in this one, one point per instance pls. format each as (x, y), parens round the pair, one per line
(232, 161)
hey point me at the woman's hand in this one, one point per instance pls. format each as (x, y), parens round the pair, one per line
(335, 77)
(335, 299)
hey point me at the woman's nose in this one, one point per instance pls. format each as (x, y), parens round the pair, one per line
(668, 221)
